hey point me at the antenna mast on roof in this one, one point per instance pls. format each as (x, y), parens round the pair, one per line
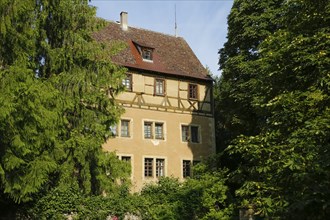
(175, 27)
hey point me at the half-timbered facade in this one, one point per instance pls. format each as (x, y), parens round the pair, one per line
(168, 124)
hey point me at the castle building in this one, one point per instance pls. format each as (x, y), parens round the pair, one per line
(168, 124)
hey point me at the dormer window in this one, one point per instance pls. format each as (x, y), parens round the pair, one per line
(147, 54)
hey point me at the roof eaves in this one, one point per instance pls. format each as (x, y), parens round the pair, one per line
(168, 73)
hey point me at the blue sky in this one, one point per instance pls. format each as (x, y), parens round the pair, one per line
(202, 23)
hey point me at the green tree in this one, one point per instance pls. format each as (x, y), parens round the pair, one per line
(284, 169)
(161, 200)
(56, 99)
(249, 23)
(209, 195)
(204, 196)
(68, 200)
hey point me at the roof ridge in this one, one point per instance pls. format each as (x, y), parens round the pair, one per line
(145, 29)
(157, 32)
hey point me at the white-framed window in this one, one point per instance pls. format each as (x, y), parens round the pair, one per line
(159, 87)
(186, 168)
(146, 54)
(114, 130)
(193, 91)
(125, 128)
(185, 133)
(128, 158)
(153, 130)
(148, 130)
(159, 130)
(121, 129)
(160, 167)
(194, 133)
(127, 82)
(190, 133)
(148, 167)
(154, 167)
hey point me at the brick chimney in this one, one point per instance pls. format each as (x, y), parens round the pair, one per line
(123, 20)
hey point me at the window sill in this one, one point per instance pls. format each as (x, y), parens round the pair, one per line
(148, 177)
(148, 61)
(193, 99)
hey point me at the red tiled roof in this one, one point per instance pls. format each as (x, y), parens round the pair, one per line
(171, 55)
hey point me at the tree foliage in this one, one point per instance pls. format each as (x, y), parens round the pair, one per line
(56, 100)
(204, 196)
(69, 201)
(283, 169)
(249, 23)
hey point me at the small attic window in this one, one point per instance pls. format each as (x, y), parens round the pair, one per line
(146, 54)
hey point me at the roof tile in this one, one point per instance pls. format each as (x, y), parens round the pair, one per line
(171, 55)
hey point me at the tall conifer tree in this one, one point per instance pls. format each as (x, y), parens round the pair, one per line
(56, 99)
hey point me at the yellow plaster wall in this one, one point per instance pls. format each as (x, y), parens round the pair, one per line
(141, 104)
(171, 148)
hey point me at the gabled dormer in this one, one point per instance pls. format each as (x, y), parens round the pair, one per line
(145, 52)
